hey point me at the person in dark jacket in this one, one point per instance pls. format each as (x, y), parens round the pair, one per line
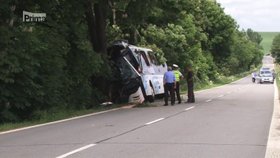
(190, 84)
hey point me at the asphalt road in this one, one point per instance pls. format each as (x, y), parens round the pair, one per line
(231, 121)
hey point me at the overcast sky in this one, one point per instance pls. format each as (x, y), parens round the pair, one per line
(259, 15)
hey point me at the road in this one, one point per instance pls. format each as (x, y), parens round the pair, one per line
(231, 121)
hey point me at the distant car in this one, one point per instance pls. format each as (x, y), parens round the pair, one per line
(265, 76)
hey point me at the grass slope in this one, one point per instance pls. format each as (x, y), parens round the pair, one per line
(267, 40)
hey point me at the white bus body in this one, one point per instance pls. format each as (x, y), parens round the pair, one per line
(143, 64)
(151, 71)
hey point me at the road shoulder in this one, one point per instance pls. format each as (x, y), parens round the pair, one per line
(273, 143)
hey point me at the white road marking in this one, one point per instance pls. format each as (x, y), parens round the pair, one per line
(208, 100)
(154, 121)
(229, 92)
(220, 96)
(75, 151)
(189, 108)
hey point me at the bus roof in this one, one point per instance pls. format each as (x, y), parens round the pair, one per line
(139, 48)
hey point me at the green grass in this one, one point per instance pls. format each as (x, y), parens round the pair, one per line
(267, 40)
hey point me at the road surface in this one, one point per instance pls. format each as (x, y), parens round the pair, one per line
(231, 121)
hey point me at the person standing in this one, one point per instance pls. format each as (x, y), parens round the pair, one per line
(178, 77)
(169, 86)
(254, 75)
(273, 74)
(190, 84)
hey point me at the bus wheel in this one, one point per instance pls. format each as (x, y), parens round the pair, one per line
(151, 98)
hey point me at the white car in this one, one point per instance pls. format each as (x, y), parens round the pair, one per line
(265, 76)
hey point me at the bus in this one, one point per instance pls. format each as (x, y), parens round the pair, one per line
(140, 71)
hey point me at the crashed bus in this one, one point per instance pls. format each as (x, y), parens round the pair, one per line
(140, 71)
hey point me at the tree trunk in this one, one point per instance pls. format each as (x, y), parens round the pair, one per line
(96, 20)
(11, 22)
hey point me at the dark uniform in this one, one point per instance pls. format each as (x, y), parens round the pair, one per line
(190, 85)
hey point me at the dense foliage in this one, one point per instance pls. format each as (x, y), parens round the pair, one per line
(275, 48)
(62, 62)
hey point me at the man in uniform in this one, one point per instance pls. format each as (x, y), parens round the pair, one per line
(169, 86)
(190, 84)
(178, 77)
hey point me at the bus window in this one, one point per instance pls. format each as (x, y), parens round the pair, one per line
(153, 58)
(143, 54)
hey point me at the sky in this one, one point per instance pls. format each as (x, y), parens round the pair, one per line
(259, 15)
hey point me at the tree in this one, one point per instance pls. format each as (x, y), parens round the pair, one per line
(96, 21)
(254, 36)
(47, 65)
(275, 48)
(63, 63)
(31, 65)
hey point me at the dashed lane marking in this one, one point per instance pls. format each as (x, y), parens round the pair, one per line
(76, 151)
(91, 145)
(189, 108)
(154, 121)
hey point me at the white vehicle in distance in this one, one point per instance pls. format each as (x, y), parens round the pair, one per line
(265, 75)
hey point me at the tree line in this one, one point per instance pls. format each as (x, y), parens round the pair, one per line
(63, 62)
(275, 48)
